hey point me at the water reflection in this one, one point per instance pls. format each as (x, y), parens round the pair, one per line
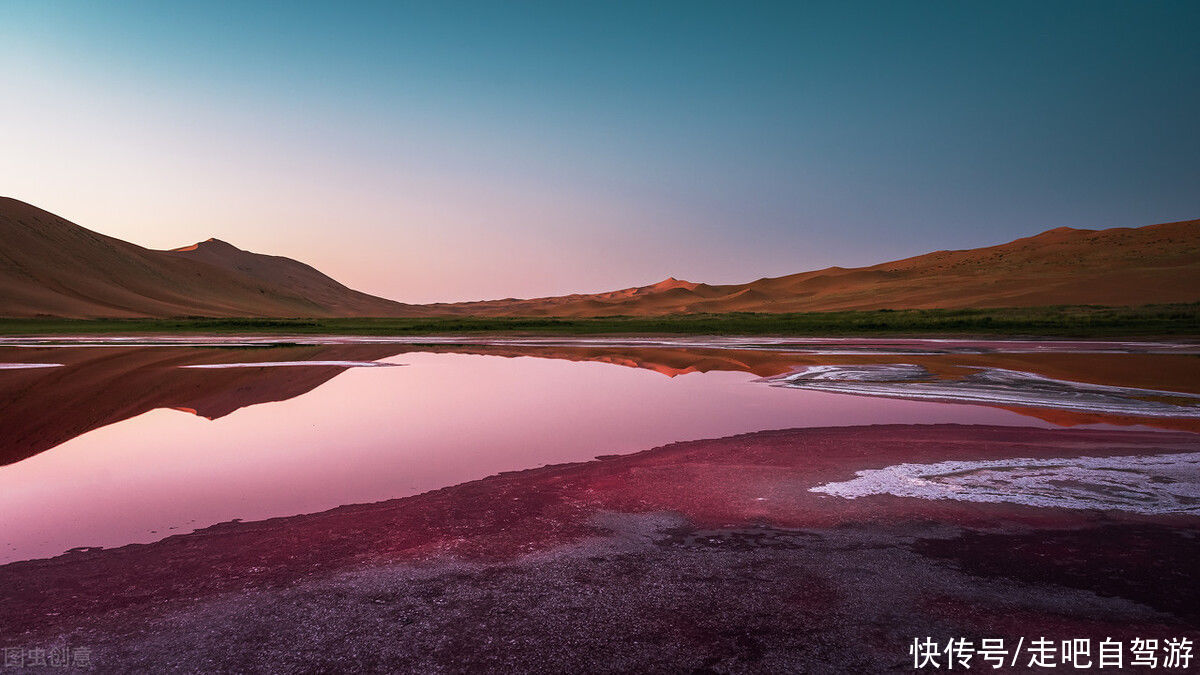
(98, 386)
(145, 444)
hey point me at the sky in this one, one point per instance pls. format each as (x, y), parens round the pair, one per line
(446, 151)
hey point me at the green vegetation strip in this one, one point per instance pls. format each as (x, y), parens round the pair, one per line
(1072, 321)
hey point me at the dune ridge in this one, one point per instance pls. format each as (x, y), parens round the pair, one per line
(1064, 266)
(53, 268)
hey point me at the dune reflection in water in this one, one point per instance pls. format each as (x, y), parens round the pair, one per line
(128, 443)
(359, 435)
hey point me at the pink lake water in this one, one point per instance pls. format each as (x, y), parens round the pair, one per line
(365, 434)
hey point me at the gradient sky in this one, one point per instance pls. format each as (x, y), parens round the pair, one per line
(454, 151)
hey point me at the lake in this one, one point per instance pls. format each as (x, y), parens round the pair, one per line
(111, 441)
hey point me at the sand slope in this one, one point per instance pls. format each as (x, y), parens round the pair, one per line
(1064, 266)
(293, 276)
(52, 267)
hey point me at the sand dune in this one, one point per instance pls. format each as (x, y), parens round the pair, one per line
(290, 276)
(51, 267)
(1119, 266)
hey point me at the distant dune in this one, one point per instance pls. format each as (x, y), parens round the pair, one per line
(51, 267)
(1065, 266)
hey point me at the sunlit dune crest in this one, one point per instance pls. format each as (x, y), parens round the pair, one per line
(193, 247)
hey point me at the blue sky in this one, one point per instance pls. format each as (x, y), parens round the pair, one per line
(450, 151)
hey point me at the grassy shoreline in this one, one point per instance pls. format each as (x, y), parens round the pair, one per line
(1070, 321)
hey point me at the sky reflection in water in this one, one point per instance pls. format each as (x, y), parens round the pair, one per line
(370, 434)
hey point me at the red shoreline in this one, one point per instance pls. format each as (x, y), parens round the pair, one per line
(751, 479)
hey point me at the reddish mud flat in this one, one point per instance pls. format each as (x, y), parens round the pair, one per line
(704, 555)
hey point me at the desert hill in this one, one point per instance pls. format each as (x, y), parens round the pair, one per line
(52, 267)
(1064, 266)
(292, 276)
